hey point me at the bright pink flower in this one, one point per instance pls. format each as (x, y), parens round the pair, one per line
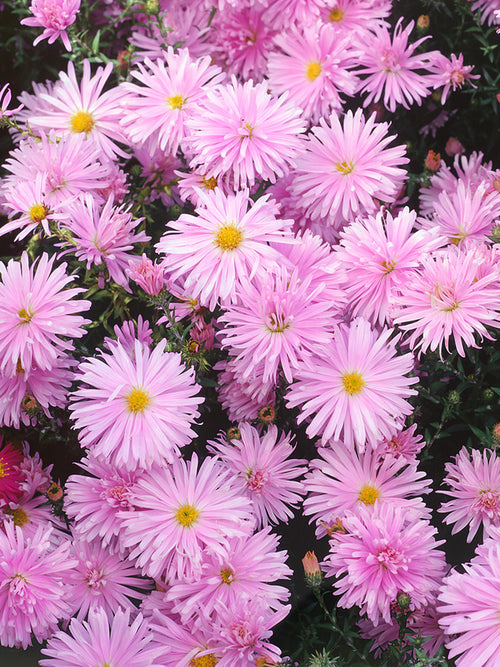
(224, 244)
(350, 16)
(33, 585)
(382, 553)
(392, 69)
(451, 73)
(243, 132)
(247, 567)
(357, 389)
(35, 313)
(101, 642)
(449, 301)
(264, 471)
(149, 276)
(314, 65)
(135, 412)
(192, 508)
(10, 473)
(402, 444)
(376, 256)
(54, 16)
(170, 93)
(183, 645)
(346, 170)
(278, 323)
(342, 481)
(474, 482)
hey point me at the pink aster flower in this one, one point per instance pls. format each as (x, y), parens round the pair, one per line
(225, 243)
(469, 611)
(357, 390)
(448, 300)
(10, 473)
(402, 444)
(104, 235)
(171, 91)
(343, 480)
(382, 553)
(263, 471)
(243, 132)
(102, 580)
(81, 107)
(98, 642)
(392, 68)
(314, 64)
(148, 275)
(184, 645)
(377, 255)
(33, 585)
(489, 10)
(474, 482)
(135, 411)
(247, 567)
(278, 322)
(451, 74)
(346, 170)
(5, 97)
(352, 16)
(54, 16)
(239, 398)
(36, 312)
(193, 508)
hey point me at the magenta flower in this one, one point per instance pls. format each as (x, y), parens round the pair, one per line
(136, 411)
(37, 315)
(98, 642)
(384, 552)
(10, 473)
(264, 471)
(347, 170)
(357, 390)
(243, 132)
(192, 508)
(474, 482)
(54, 16)
(33, 585)
(342, 481)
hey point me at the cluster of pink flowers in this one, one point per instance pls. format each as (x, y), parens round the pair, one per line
(299, 264)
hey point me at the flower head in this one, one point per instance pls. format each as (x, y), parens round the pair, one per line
(54, 16)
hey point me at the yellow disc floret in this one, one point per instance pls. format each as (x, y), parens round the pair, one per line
(19, 516)
(227, 575)
(176, 101)
(38, 212)
(137, 400)
(82, 121)
(186, 515)
(204, 661)
(345, 167)
(336, 15)
(25, 315)
(368, 494)
(313, 70)
(353, 383)
(228, 237)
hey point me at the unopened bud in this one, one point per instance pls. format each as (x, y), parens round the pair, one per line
(433, 161)
(403, 600)
(311, 569)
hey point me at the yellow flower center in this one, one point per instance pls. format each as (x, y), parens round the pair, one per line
(336, 15)
(25, 315)
(209, 183)
(388, 266)
(228, 237)
(82, 121)
(38, 212)
(20, 517)
(137, 400)
(176, 101)
(186, 515)
(19, 367)
(277, 323)
(344, 167)
(313, 70)
(204, 661)
(353, 383)
(3, 470)
(227, 575)
(368, 494)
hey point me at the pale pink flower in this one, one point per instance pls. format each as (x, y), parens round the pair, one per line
(377, 255)
(171, 91)
(148, 275)
(263, 471)
(342, 481)
(184, 645)
(5, 97)
(474, 483)
(100, 642)
(54, 16)
(225, 243)
(393, 71)
(240, 399)
(241, 131)
(135, 412)
(33, 585)
(448, 301)
(314, 65)
(489, 10)
(38, 317)
(346, 170)
(350, 16)
(193, 508)
(384, 552)
(451, 74)
(402, 444)
(357, 390)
